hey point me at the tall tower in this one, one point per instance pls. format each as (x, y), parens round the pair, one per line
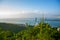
(42, 18)
(35, 21)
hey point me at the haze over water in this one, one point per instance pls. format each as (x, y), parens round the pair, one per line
(31, 21)
(12, 9)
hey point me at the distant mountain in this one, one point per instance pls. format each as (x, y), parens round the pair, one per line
(12, 27)
(52, 19)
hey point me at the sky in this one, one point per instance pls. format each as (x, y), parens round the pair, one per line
(29, 8)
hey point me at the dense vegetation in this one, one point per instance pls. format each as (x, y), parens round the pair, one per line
(42, 31)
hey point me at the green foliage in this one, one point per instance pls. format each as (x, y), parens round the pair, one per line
(42, 31)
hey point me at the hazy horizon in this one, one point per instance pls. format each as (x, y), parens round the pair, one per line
(29, 8)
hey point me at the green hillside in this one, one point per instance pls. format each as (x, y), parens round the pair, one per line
(41, 31)
(11, 27)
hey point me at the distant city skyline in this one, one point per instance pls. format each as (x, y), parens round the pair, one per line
(29, 8)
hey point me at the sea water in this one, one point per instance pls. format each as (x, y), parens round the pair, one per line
(30, 21)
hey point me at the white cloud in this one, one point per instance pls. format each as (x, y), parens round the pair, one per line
(11, 12)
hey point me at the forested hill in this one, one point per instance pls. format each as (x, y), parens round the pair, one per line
(41, 31)
(11, 27)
